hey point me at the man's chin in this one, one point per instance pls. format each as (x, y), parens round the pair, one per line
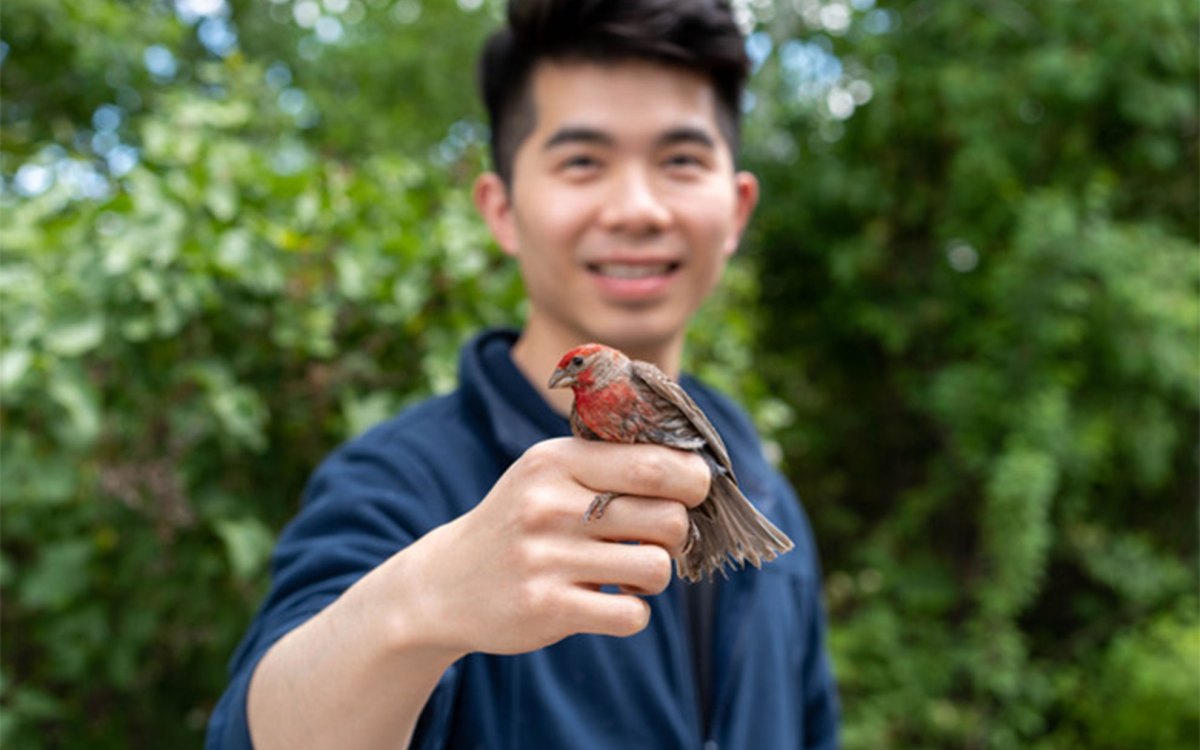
(641, 339)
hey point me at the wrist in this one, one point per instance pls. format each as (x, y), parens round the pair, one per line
(415, 622)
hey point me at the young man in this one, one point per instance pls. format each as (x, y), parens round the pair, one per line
(439, 588)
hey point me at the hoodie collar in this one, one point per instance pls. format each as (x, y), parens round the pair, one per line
(514, 412)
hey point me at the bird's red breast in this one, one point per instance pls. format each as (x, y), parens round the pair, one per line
(615, 412)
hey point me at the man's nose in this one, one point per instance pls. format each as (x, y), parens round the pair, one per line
(634, 205)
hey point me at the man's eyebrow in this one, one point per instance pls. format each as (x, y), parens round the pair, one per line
(578, 134)
(595, 136)
(687, 134)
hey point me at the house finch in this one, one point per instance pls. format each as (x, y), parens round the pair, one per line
(628, 401)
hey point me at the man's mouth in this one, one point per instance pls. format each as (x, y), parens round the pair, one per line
(632, 270)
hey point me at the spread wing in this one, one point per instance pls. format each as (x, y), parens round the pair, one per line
(690, 418)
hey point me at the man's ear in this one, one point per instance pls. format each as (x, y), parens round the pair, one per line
(494, 205)
(746, 187)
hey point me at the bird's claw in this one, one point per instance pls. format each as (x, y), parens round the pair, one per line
(596, 510)
(693, 537)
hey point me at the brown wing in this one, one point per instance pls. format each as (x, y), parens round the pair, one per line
(690, 414)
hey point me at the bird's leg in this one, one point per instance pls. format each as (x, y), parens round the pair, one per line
(693, 536)
(596, 509)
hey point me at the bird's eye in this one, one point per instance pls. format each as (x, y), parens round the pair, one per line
(577, 361)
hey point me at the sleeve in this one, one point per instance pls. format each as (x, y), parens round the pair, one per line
(364, 503)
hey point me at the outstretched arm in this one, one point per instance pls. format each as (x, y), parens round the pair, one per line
(517, 573)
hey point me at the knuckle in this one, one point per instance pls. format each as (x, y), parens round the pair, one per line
(540, 457)
(702, 478)
(530, 513)
(534, 598)
(538, 510)
(530, 560)
(659, 569)
(633, 618)
(647, 472)
(678, 524)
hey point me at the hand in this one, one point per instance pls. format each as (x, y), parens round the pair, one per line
(519, 572)
(522, 571)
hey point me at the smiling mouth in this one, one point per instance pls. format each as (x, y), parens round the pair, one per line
(632, 271)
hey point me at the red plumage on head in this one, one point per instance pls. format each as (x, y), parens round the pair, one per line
(590, 364)
(584, 350)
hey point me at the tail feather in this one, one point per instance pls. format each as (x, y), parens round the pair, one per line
(729, 530)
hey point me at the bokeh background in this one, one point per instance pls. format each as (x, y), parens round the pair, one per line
(236, 232)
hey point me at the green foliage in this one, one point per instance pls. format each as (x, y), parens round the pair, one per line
(976, 348)
(178, 353)
(398, 77)
(184, 340)
(1138, 691)
(981, 294)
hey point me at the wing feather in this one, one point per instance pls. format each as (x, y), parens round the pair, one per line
(674, 395)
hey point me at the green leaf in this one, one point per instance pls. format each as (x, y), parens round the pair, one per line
(248, 544)
(78, 400)
(363, 412)
(58, 576)
(76, 338)
(14, 363)
(222, 199)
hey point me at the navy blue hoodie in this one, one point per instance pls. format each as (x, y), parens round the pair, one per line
(771, 682)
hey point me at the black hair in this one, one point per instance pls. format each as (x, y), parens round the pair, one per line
(698, 35)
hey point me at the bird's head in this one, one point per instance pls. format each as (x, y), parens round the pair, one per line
(587, 366)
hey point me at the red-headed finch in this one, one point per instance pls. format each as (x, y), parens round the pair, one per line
(623, 400)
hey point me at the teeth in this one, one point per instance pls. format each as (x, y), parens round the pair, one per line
(624, 271)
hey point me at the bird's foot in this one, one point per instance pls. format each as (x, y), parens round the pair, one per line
(595, 511)
(693, 537)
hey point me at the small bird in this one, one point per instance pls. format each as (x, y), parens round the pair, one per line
(624, 400)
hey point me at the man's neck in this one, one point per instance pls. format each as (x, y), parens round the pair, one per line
(540, 347)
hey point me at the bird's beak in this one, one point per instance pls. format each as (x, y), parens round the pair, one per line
(561, 379)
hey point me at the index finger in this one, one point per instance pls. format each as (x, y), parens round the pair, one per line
(641, 469)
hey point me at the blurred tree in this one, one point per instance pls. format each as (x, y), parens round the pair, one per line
(980, 282)
(377, 75)
(235, 233)
(200, 299)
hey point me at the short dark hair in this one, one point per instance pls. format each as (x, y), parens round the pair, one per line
(699, 35)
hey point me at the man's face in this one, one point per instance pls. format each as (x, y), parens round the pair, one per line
(624, 204)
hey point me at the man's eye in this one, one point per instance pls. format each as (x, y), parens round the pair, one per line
(580, 161)
(683, 161)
